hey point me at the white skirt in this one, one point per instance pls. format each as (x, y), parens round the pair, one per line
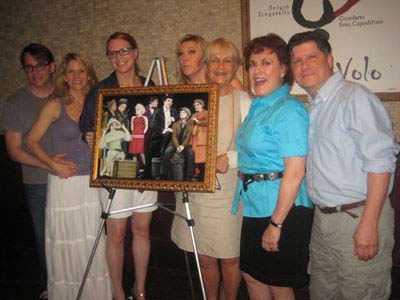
(73, 213)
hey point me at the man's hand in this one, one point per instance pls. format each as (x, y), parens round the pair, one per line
(366, 241)
(63, 168)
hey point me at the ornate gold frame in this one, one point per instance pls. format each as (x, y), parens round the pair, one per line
(187, 92)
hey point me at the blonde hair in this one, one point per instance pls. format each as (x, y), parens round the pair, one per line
(222, 45)
(201, 44)
(61, 88)
(140, 107)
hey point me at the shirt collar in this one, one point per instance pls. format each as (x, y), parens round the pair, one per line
(326, 90)
(274, 97)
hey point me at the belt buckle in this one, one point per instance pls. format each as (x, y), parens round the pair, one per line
(258, 177)
(272, 176)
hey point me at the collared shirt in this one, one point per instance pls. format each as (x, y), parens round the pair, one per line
(350, 136)
(275, 128)
(167, 114)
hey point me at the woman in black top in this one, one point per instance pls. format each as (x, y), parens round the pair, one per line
(122, 52)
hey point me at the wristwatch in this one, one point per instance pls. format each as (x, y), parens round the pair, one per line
(277, 225)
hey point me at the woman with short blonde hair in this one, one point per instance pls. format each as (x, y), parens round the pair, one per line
(217, 230)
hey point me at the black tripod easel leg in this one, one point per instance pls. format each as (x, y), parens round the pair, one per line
(104, 216)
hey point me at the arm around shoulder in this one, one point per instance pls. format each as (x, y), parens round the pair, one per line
(56, 164)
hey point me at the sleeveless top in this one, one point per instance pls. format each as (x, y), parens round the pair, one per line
(67, 138)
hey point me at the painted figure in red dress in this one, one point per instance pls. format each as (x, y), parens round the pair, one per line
(139, 127)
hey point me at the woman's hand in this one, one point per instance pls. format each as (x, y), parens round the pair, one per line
(288, 190)
(222, 163)
(89, 138)
(270, 238)
(63, 168)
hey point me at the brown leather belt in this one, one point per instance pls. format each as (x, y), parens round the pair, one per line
(342, 208)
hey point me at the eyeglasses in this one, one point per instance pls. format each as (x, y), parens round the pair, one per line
(122, 52)
(38, 68)
(224, 61)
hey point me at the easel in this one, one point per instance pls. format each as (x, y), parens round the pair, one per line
(163, 80)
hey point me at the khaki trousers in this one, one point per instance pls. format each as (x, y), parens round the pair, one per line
(336, 273)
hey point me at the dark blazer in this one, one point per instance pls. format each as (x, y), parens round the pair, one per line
(158, 119)
(148, 112)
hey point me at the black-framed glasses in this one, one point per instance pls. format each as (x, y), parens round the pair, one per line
(38, 68)
(122, 52)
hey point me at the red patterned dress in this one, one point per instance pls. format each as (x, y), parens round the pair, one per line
(136, 146)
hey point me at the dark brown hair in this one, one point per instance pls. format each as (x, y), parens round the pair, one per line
(39, 52)
(319, 36)
(275, 44)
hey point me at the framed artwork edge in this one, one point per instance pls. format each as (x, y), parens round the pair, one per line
(207, 185)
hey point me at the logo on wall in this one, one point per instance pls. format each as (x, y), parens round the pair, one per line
(327, 17)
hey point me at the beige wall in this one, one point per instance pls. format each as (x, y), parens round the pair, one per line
(83, 26)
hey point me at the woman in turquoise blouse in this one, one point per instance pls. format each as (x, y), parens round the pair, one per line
(272, 148)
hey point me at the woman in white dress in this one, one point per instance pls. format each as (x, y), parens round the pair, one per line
(73, 209)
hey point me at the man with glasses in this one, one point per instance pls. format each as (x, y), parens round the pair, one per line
(19, 114)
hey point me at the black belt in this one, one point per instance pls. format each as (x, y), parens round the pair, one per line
(249, 178)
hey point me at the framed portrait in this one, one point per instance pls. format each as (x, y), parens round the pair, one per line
(156, 138)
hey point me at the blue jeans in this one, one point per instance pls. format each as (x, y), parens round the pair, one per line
(36, 200)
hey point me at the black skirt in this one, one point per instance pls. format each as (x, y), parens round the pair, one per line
(288, 266)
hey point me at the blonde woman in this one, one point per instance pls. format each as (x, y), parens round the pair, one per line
(73, 208)
(192, 70)
(139, 127)
(217, 230)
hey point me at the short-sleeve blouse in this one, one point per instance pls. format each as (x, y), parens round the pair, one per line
(275, 128)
